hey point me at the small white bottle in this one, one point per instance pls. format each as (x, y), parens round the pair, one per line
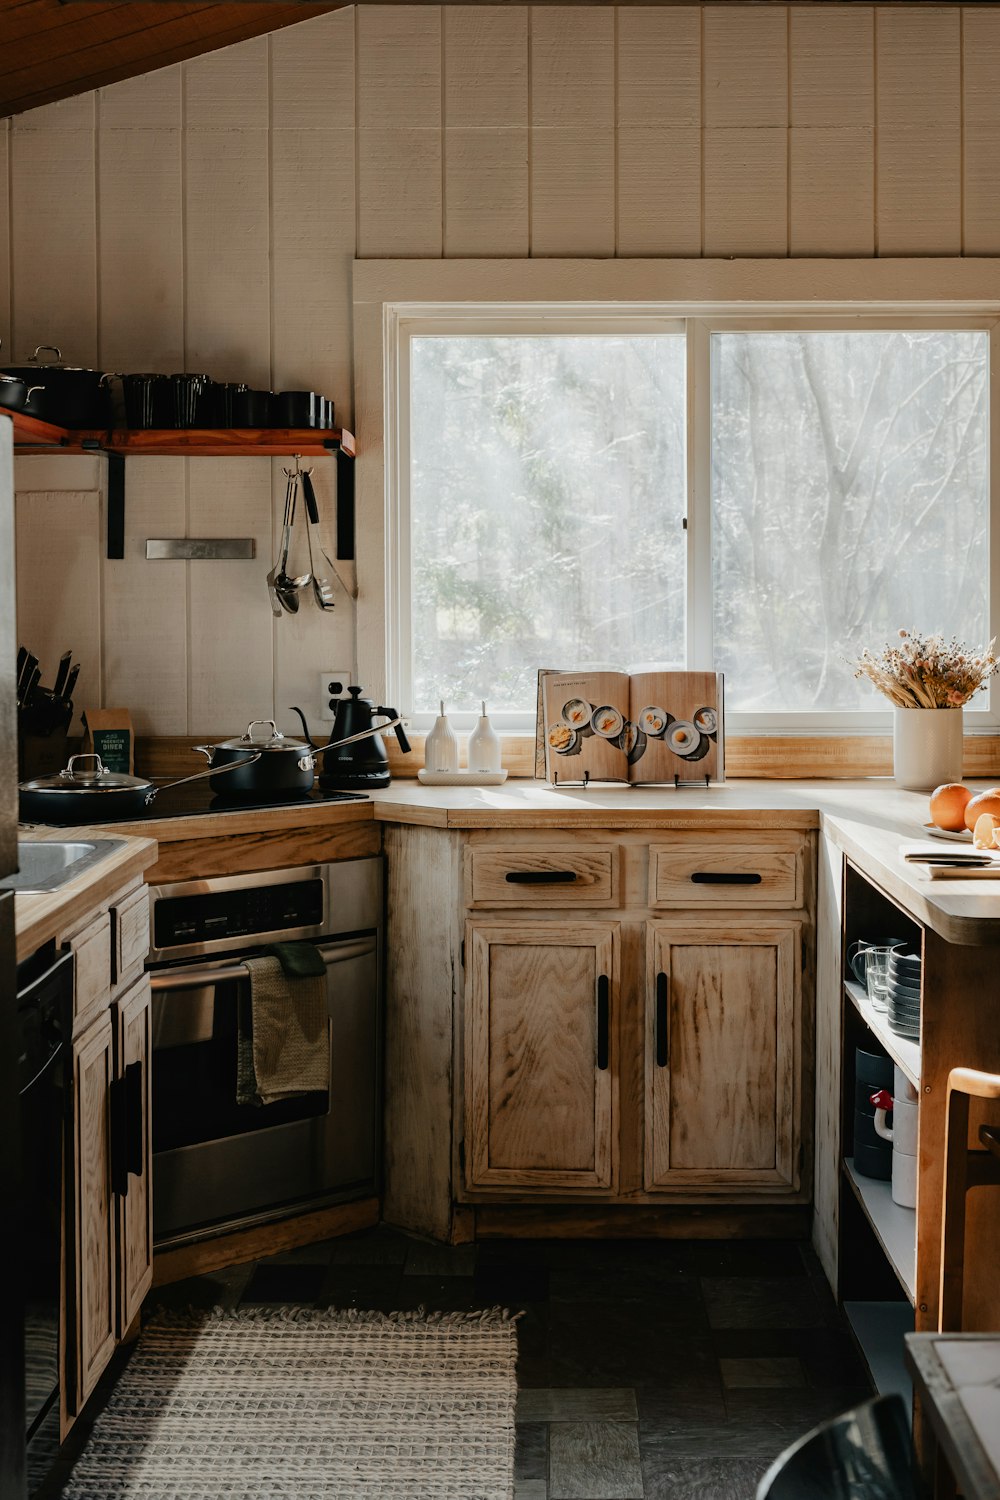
(441, 746)
(484, 746)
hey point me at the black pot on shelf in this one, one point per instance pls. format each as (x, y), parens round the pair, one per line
(251, 408)
(65, 395)
(15, 392)
(297, 409)
(186, 390)
(147, 401)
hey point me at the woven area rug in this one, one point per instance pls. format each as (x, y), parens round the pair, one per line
(261, 1403)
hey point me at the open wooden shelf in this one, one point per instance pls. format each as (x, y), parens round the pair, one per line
(895, 1227)
(904, 1052)
(879, 1329)
(117, 444)
(187, 442)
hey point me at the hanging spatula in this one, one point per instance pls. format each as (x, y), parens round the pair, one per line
(322, 587)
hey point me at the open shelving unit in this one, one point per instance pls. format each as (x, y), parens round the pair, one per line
(32, 436)
(878, 1237)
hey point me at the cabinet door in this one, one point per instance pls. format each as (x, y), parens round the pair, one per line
(91, 1287)
(723, 1045)
(540, 1055)
(133, 1151)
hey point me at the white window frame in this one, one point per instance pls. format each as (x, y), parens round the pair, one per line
(384, 653)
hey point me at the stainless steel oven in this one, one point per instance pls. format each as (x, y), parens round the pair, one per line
(218, 1164)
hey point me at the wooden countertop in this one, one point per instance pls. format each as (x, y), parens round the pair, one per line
(38, 919)
(868, 819)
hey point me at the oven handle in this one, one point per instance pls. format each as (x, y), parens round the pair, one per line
(180, 978)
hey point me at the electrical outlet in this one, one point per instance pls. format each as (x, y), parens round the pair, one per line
(333, 684)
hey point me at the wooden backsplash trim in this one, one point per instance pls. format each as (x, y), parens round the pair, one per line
(755, 757)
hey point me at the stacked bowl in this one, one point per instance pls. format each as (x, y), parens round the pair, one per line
(904, 993)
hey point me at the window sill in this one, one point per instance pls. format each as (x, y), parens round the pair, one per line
(755, 757)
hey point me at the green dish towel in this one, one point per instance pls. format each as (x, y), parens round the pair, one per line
(282, 1045)
(298, 960)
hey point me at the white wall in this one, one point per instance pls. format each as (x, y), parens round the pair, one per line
(206, 216)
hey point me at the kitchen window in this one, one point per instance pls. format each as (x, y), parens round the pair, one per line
(760, 495)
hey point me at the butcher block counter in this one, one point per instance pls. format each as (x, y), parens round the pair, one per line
(868, 820)
(39, 919)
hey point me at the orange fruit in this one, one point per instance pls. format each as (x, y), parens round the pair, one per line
(984, 802)
(948, 804)
(983, 835)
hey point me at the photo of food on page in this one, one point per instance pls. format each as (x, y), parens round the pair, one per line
(585, 718)
(675, 723)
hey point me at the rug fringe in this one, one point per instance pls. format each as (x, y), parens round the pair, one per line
(194, 1317)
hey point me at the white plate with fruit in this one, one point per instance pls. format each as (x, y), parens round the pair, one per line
(965, 817)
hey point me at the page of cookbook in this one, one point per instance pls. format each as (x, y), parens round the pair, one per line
(585, 719)
(674, 727)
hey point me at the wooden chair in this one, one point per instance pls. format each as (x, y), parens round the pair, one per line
(864, 1454)
(963, 1169)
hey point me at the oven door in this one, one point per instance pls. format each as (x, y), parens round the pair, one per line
(219, 1164)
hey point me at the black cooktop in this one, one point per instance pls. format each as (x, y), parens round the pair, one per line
(197, 798)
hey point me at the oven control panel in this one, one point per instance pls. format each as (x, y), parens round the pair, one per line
(180, 920)
(235, 912)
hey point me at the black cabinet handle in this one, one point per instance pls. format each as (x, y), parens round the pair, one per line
(118, 1111)
(722, 877)
(603, 1020)
(135, 1155)
(662, 1040)
(540, 877)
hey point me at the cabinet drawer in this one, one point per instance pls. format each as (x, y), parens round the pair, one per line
(92, 985)
(724, 870)
(542, 877)
(130, 928)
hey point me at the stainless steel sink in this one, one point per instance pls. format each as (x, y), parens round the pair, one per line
(47, 864)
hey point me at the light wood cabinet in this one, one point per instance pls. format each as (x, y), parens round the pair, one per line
(133, 1151)
(723, 1041)
(540, 1055)
(108, 1262)
(91, 1320)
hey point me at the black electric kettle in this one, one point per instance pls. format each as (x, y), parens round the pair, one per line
(363, 765)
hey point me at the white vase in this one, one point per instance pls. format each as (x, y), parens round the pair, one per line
(926, 747)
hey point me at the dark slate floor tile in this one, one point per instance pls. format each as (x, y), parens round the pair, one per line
(765, 1302)
(511, 1282)
(531, 1451)
(425, 1259)
(285, 1283)
(789, 1414)
(371, 1247)
(533, 1368)
(216, 1289)
(763, 1372)
(620, 1343)
(699, 1431)
(827, 1355)
(703, 1479)
(438, 1294)
(621, 1283)
(594, 1461)
(375, 1288)
(746, 1257)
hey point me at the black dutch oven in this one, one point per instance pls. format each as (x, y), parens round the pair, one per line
(65, 395)
(282, 767)
(93, 794)
(285, 767)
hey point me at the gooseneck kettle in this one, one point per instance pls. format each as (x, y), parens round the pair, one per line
(364, 765)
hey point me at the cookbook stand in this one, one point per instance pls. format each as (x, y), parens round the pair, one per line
(677, 782)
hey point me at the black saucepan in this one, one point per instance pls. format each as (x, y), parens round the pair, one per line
(15, 393)
(282, 766)
(91, 794)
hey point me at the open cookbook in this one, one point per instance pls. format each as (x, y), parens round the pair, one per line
(635, 727)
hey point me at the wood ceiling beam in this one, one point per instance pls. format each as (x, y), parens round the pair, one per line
(50, 50)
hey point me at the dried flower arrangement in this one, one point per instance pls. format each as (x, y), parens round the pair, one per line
(926, 671)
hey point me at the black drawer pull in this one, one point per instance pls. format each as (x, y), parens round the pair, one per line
(135, 1154)
(603, 1021)
(118, 1112)
(540, 877)
(661, 1020)
(724, 877)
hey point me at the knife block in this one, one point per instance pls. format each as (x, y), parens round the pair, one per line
(44, 754)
